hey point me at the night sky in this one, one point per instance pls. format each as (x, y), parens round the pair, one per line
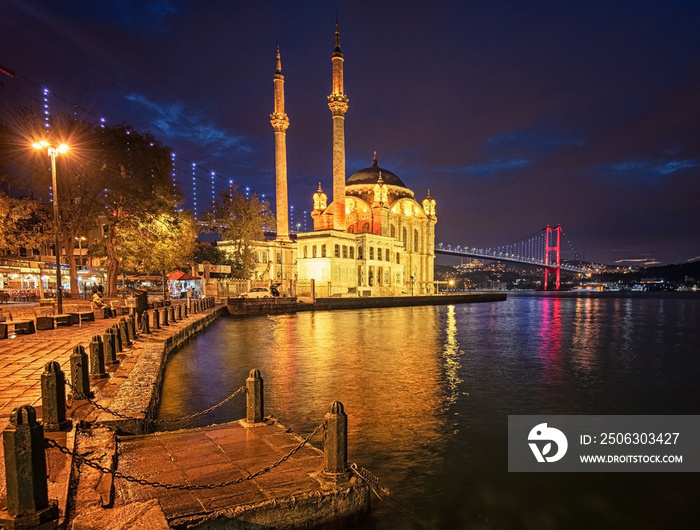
(516, 115)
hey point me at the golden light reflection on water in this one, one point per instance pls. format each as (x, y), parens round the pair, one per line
(451, 359)
(383, 365)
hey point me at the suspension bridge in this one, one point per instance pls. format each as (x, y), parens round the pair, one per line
(542, 249)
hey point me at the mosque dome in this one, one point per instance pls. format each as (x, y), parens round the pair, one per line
(370, 175)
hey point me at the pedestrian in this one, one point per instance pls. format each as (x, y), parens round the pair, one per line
(99, 305)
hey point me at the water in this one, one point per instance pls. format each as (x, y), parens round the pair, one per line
(428, 391)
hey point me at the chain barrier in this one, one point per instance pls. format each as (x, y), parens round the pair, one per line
(77, 393)
(181, 487)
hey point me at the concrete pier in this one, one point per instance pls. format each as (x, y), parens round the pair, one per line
(294, 494)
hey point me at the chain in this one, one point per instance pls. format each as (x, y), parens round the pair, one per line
(197, 414)
(182, 487)
(76, 392)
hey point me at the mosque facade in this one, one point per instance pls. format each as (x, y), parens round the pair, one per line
(373, 239)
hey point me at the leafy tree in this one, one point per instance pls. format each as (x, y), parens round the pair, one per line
(111, 176)
(24, 223)
(139, 190)
(242, 221)
(216, 256)
(157, 244)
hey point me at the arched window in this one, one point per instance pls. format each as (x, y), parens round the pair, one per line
(371, 252)
(359, 252)
(323, 251)
(314, 251)
(398, 258)
(306, 251)
(264, 257)
(403, 238)
(393, 231)
(279, 257)
(345, 251)
(379, 254)
(352, 252)
(337, 251)
(415, 241)
(386, 255)
(365, 228)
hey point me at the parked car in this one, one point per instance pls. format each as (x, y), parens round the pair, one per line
(257, 292)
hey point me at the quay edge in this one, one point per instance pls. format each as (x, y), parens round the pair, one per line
(243, 307)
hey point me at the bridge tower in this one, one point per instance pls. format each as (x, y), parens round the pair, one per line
(552, 253)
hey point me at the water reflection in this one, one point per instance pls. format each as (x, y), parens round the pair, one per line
(450, 355)
(428, 391)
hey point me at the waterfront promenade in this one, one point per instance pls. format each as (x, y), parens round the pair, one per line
(222, 455)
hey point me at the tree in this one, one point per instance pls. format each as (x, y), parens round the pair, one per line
(242, 221)
(157, 244)
(24, 223)
(216, 256)
(111, 176)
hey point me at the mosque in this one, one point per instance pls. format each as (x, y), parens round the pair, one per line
(373, 239)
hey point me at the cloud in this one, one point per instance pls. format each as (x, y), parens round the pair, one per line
(654, 167)
(176, 123)
(492, 167)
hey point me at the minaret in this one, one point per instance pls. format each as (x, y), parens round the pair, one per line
(280, 122)
(338, 104)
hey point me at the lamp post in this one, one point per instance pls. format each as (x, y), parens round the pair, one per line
(53, 151)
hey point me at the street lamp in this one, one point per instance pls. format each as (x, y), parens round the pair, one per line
(53, 151)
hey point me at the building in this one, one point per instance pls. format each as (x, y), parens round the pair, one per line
(373, 239)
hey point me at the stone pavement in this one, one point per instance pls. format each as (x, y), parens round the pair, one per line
(296, 493)
(22, 361)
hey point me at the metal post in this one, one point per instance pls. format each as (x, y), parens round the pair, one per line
(25, 469)
(53, 398)
(254, 397)
(79, 372)
(59, 288)
(335, 447)
(97, 358)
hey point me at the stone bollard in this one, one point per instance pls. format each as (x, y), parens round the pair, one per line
(171, 310)
(165, 316)
(186, 311)
(145, 323)
(79, 373)
(110, 347)
(118, 346)
(25, 469)
(53, 398)
(124, 333)
(156, 318)
(133, 328)
(179, 312)
(97, 358)
(255, 410)
(335, 446)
